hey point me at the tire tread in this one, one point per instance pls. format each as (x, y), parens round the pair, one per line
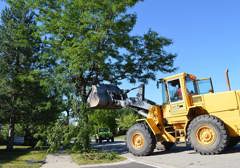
(222, 130)
(149, 135)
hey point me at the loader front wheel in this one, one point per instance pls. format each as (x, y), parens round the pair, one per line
(140, 140)
(207, 135)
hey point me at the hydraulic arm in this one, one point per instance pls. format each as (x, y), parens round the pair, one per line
(112, 97)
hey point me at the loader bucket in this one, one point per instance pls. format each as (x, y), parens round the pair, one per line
(105, 96)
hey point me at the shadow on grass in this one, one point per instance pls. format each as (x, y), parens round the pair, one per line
(22, 156)
(8, 156)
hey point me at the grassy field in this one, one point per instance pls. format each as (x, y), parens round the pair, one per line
(21, 157)
(96, 157)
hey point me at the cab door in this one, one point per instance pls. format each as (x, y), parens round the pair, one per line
(176, 97)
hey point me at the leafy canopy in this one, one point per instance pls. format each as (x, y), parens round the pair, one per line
(94, 40)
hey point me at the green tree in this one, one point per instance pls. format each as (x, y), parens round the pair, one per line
(127, 119)
(93, 42)
(27, 94)
(102, 119)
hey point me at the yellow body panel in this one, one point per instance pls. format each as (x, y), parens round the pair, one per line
(225, 106)
(223, 101)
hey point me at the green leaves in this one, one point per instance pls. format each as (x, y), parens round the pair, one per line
(27, 90)
(127, 119)
(103, 119)
(93, 39)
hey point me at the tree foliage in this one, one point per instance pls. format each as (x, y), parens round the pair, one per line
(93, 38)
(127, 119)
(93, 44)
(103, 119)
(52, 51)
(25, 94)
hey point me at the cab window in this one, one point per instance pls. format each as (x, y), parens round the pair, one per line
(164, 93)
(205, 86)
(175, 91)
(191, 86)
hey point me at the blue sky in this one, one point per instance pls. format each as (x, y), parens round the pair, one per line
(206, 36)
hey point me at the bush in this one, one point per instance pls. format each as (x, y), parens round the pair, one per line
(95, 157)
(4, 135)
(127, 120)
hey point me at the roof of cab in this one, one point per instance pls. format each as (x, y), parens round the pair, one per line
(175, 76)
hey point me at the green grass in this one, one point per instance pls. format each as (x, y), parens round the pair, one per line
(96, 157)
(21, 157)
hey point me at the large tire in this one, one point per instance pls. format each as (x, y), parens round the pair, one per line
(207, 135)
(140, 140)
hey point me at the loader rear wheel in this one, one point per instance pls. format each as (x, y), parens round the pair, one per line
(207, 135)
(140, 140)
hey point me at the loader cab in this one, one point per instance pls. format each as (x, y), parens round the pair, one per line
(179, 90)
(174, 94)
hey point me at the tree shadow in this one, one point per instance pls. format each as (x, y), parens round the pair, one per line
(8, 156)
(117, 146)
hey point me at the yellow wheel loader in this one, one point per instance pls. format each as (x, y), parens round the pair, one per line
(191, 111)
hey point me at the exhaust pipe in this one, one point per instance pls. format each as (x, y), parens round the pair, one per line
(228, 81)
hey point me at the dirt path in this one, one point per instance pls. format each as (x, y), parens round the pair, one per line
(59, 161)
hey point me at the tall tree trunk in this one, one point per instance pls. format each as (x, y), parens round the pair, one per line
(11, 133)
